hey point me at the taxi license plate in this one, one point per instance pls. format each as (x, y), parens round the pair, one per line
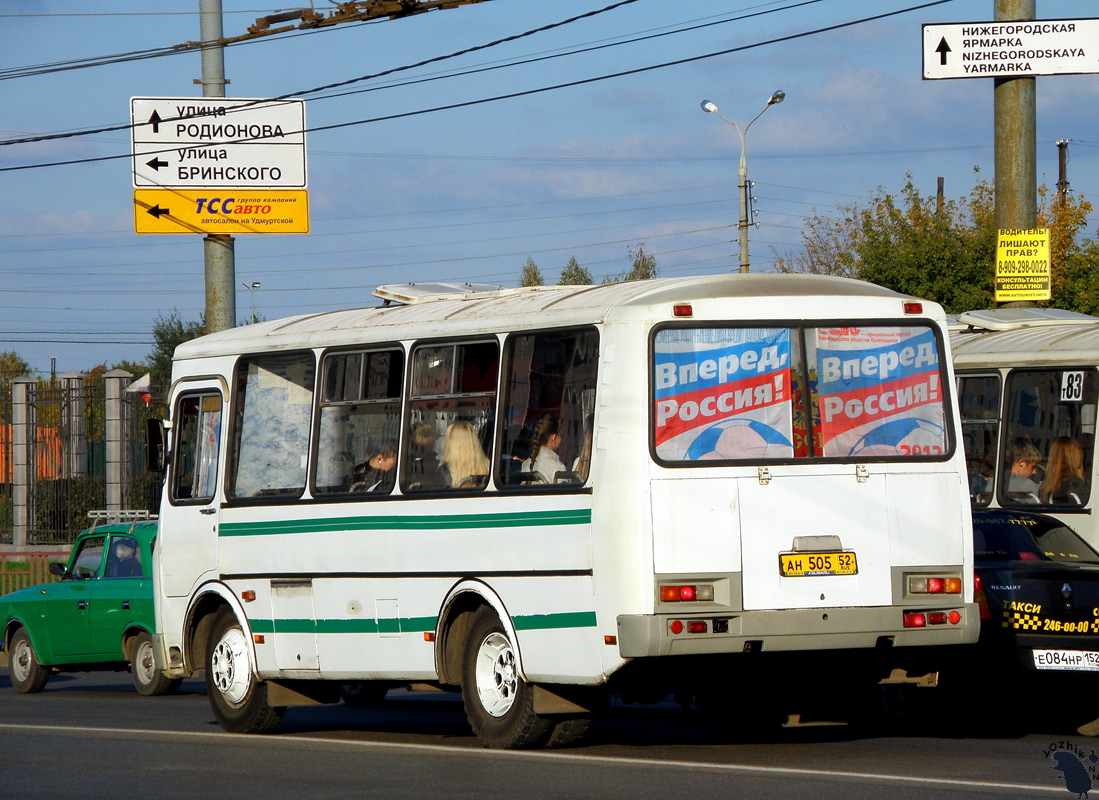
(1074, 660)
(805, 565)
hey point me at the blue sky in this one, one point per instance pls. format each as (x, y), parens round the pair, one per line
(470, 193)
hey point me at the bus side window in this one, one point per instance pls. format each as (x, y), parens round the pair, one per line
(271, 414)
(360, 417)
(979, 403)
(452, 406)
(549, 409)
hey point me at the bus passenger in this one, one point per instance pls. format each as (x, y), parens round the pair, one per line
(463, 458)
(543, 451)
(1064, 481)
(422, 461)
(1024, 457)
(377, 473)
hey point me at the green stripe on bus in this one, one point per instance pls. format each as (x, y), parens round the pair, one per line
(529, 622)
(534, 622)
(575, 516)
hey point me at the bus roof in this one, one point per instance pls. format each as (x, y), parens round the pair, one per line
(457, 309)
(1023, 337)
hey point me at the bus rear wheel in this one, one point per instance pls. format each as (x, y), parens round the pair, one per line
(499, 704)
(238, 700)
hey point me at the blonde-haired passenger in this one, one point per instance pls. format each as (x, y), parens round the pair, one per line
(1064, 480)
(463, 456)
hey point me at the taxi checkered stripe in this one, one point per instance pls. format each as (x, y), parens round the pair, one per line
(1024, 622)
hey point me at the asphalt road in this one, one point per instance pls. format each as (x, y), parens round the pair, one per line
(91, 736)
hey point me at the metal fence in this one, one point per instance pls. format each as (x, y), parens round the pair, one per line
(68, 446)
(68, 451)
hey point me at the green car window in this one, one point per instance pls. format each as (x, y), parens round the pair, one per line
(123, 558)
(89, 558)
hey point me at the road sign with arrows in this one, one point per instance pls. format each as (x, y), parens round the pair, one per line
(219, 165)
(1011, 49)
(218, 142)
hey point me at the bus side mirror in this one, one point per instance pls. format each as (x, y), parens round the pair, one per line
(156, 440)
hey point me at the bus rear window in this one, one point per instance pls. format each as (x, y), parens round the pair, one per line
(724, 394)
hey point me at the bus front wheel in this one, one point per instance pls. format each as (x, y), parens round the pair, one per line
(499, 704)
(238, 700)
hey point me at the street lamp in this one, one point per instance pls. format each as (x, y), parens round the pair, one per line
(708, 106)
(251, 287)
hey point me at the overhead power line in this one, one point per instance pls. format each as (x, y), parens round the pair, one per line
(481, 101)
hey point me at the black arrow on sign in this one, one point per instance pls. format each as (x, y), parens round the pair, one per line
(157, 211)
(942, 50)
(156, 164)
(155, 121)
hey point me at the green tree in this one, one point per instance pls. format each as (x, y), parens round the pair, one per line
(169, 332)
(531, 275)
(11, 366)
(943, 253)
(642, 267)
(574, 275)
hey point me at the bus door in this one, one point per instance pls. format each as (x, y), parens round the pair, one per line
(187, 537)
(814, 541)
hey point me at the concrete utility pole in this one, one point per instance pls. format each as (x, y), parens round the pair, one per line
(221, 294)
(1016, 176)
(1016, 142)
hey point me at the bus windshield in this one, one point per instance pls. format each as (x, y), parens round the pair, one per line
(724, 394)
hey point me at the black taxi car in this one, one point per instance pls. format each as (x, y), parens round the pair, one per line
(1037, 586)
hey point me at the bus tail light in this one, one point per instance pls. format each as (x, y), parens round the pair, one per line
(915, 619)
(913, 308)
(685, 593)
(682, 310)
(934, 584)
(677, 626)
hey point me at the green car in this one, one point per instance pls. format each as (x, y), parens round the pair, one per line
(98, 616)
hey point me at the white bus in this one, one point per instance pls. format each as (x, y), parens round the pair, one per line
(1028, 391)
(731, 487)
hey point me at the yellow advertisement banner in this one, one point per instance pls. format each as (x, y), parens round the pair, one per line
(1022, 264)
(228, 211)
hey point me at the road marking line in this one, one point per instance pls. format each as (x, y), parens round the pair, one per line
(555, 756)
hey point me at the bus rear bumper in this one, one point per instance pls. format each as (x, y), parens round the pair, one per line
(644, 635)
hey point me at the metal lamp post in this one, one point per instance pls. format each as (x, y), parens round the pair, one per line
(251, 287)
(708, 106)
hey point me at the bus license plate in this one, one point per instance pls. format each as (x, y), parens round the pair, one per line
(804, 565)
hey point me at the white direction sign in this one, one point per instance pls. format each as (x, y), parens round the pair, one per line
(216, 142)
(1011, 49)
